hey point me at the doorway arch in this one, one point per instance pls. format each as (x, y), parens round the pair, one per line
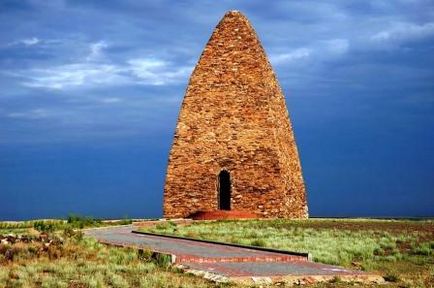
(224, 190)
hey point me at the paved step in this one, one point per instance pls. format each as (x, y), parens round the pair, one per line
(271, 268)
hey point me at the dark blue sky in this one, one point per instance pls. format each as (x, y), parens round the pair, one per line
(90, 92)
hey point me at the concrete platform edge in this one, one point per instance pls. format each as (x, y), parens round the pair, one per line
(306, 256)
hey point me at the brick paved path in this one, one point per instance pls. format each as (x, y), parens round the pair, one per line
(221, 259)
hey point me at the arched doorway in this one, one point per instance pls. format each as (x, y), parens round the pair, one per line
(224, 186)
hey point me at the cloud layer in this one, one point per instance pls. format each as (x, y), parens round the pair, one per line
(325, 45)
(96, 69)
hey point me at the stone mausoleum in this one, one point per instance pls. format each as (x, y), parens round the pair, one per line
(234, 147)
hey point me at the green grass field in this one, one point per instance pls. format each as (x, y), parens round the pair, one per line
(62, 257)
(402, 251)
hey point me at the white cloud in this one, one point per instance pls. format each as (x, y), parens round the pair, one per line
(32, 114)
(157, 72)
(291, 56)
(72, 75)
(318, 51)
(147, 70)
(30, 41)
(90, 74)
(26, 42)
(96, 50)
(96, 69)
(111, 100)
(400, 31)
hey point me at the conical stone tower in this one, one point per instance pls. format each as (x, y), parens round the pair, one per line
(234, 148)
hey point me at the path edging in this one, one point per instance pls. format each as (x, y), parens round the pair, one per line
(307, 256)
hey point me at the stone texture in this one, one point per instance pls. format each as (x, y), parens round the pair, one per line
(234, 117)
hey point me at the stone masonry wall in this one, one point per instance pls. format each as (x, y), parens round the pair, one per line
(234, 117)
